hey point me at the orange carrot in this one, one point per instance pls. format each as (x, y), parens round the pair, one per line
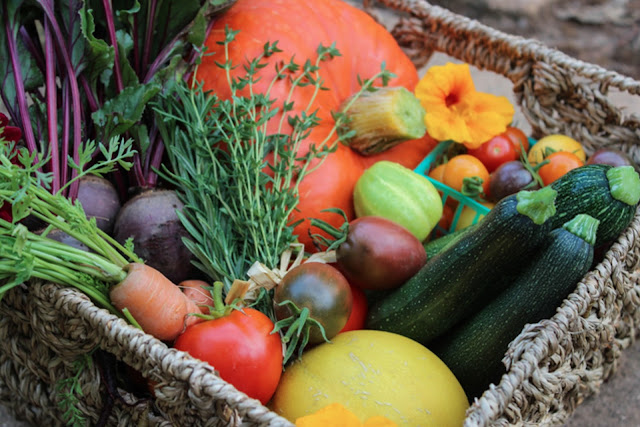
(156, 303)
(197, 291)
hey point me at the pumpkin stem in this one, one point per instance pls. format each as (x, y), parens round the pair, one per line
(381, 119)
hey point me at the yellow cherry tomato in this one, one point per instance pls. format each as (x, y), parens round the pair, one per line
(468, 214)
(552, 143)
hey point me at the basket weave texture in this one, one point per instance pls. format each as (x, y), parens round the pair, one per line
(553, 365)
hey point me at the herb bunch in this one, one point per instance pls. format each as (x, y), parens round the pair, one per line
(72, 70)
(239, 182)
(25, 255)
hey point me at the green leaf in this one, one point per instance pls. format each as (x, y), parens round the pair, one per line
(17, 14)
(120, 113)
(140, 134)
(126, 16)
(125, 46)
(198, 30)
(99, 53)
(69, 17)
(171, 19)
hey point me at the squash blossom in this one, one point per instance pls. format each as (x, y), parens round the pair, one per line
(456, 111)
(336, 415)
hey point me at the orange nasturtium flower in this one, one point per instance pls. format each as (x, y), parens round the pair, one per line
(456, 111)
(336, 415)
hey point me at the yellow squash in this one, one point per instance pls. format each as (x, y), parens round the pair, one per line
(373, 373)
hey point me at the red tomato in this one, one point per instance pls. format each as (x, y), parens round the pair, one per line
(241, 348)
(518, 139)
(496, 151)
(447, 216)
(558, 164)
(359, 310)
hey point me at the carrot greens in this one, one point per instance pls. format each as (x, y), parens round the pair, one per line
(25, 255)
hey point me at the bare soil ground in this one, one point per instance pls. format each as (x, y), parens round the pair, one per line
(603, 32)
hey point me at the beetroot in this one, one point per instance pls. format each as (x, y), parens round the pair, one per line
(99, 199)
(150, 219)
(62, 237)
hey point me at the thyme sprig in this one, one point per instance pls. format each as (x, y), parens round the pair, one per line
(238, 181)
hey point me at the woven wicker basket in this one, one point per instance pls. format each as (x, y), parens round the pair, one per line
(553, 365)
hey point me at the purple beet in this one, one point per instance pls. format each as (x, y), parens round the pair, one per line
(150, 219)
(99, 199)
(62, 237)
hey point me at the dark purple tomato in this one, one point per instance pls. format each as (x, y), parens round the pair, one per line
(379, 254)
(320, 288)
(610, 156)
(510, 178)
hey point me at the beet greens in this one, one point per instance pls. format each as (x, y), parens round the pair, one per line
(74, 70)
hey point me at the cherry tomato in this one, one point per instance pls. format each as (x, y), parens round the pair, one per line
(518, 139)
(496, 151)
(552, 143)
(320, 288)
(510, 178)
(359, 310)
(447, 216)
(610, 156)
(468, 214)
(437, 173)
(241, 347)
(560, 163)
(465, 166)
(379, 254)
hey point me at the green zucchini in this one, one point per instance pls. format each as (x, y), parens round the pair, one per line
(435, 246)
(474, 349)
(609, 194)
(449, 285)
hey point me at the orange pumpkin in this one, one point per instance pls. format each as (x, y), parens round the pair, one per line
(300, 27)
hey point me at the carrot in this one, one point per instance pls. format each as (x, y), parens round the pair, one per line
(156, 303)
(198, 292)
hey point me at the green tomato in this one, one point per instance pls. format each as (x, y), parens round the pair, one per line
(392, 191)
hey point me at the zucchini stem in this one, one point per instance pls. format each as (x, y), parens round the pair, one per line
(584, 226)
(624, 184)
(538, 205)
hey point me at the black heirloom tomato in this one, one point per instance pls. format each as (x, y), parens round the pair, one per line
(379, 254)
(322, 290)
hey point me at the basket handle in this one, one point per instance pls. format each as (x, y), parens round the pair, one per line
(557, 93)
(508, 50)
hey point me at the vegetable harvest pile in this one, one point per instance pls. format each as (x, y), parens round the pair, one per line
(236, 179)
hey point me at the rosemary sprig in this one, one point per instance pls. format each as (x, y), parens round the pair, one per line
(239, 182)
